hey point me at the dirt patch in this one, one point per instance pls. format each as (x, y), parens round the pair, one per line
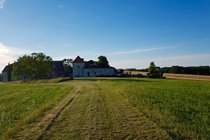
(187, 77)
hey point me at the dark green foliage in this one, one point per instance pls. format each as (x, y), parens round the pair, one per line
(154, 72)
(34, 66)
(201, 70)
(68, 69)
(0, 77)
(120, 71)
(152, 68)
(102, 61)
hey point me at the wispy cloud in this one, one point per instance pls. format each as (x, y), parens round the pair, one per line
(126, 52)
(10, 54)
(2, 3)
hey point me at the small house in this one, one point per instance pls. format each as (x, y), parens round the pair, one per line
(83, 68)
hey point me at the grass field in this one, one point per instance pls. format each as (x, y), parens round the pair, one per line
(106, 109)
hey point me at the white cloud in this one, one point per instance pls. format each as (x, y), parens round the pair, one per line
(10, 54)
(126, 52)
(2, 3)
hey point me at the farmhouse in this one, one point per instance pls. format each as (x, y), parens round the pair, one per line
(80, 68)
(83, 68)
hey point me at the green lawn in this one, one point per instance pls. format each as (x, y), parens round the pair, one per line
(106, 109)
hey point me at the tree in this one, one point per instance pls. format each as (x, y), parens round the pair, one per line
(34, 66)
(102, 61)
(67, 63)
(154, 72)
(120, 71)
(152, 68)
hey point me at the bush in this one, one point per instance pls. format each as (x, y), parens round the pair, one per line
(154, 72)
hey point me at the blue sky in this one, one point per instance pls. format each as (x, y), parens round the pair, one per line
(131, 33)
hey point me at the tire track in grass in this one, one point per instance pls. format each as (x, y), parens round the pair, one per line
(127, 121)
(37, 131)
(101, 112)
(86, 119)
(97, 125)
(70, 125)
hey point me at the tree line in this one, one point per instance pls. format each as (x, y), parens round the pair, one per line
(40, 66)
(199, 70)
(196, 70)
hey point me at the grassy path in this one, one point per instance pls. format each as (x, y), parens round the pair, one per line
(102, 113)
(38, 129)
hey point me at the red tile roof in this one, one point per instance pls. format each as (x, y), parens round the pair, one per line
(79, 60)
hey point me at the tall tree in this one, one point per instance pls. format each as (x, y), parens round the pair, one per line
(102, 61)
(67, 63)
(34, 66)
(154, 72)
(152, 68)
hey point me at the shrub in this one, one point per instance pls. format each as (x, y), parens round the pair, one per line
(154, 72)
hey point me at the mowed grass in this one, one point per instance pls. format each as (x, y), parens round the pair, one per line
(21, 104)
(109, 109)
(180, 107)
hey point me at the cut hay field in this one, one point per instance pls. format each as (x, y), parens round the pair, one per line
(106, 109)
(175, 76)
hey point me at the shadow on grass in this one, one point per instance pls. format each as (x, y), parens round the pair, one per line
(115, 79)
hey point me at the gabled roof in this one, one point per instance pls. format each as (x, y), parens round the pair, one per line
(79, 60)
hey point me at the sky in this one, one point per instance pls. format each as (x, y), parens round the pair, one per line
(130, 33)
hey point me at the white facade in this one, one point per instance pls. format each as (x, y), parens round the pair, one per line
(91, 72)
(87, 69)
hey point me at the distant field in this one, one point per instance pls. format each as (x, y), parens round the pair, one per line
(106, 109)
(176, 76)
